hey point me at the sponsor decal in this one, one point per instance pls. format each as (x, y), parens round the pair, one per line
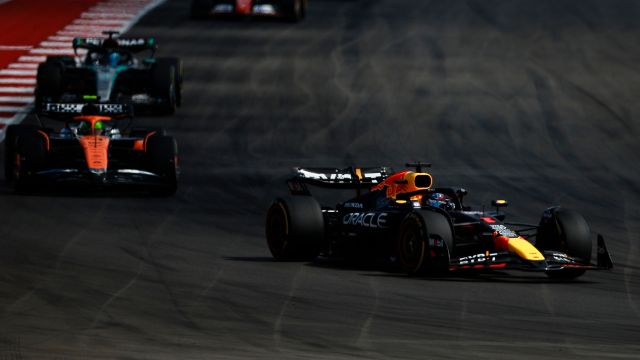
(371, 220)
(560, 257)
(353, 205)
(504, 231)
(436, 242)
(121, 41)
(320, 176)
(372, 176)
(131, 42)
(477, 258)
(74, 108)
(345, 177)
(63, 108)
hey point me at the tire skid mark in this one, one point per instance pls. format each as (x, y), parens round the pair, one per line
(10, 348)
(278, 323)
(633, 252)
(364, 339)
(96, 216)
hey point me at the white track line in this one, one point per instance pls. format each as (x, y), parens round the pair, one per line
(104, 15)
(24, 65)
(80, 34)
(36, 59)
(68, 39)
(14, 48)
(55, 44)
(83, 28)
(51, 51)
(16, 99)
(11, 108)
(25, 81)
(16, 90)
(18, 72)
(110, 22)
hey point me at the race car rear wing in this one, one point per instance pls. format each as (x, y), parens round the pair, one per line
(66, 110)
(124, 43)
(334, 178)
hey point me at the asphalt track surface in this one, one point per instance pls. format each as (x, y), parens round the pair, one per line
(532, 101)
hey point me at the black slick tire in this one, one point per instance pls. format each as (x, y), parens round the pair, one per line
(162, 155)
(29, 156)
(565, 231)
(164, 86)
(200, 9)
(295, 10)
(295, 228)
(422, 243)
(49, 82)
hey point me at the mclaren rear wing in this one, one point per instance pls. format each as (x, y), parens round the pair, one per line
(64, 111)
(348, 178)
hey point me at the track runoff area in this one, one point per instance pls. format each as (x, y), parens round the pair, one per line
(30, 30)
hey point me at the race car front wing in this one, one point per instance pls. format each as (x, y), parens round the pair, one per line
(554, 261)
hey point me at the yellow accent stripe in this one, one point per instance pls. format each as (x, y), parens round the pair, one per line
(359, 173)
(524, 249)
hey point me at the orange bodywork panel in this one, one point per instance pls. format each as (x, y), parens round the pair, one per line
(243, 6)
(96, 151)
(405, 182)
(96, 146)
(46, 138)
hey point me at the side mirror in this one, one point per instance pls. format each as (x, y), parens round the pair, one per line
(498, 204)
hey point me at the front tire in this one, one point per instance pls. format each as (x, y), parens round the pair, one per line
(423, 241)
(200, 9)
(295, 10)
(565, 231)
(49, 82)
(162, 154)
(29, 156)
(295, 228)
(165, 86)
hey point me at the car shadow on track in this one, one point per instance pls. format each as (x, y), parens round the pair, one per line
(393, 271)
(266, 259)
(80, 192)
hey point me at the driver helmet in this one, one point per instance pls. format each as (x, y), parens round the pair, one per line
(114, 59)
(84, 128)
(441, 201)
(98, 127)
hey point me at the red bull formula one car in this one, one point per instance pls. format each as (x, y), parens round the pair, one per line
(402, 218)
(291, 10)
(90, 148)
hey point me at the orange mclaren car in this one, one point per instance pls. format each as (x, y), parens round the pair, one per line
(90, 147)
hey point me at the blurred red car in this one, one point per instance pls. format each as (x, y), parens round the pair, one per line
(291, 10)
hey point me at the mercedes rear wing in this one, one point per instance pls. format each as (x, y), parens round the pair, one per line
(333, 178)
(124, 43)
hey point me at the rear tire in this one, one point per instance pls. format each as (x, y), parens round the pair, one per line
(178, 74)
(295, 228)
(162, 152)
(29, 156)
(49, 82)
(295, 10)
(423, 241)
(200, 9)
(142, 132)
(164, 86)
(565, 231)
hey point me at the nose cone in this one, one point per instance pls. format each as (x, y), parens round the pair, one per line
(99, 176)
(524, 249)
(96, 151)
